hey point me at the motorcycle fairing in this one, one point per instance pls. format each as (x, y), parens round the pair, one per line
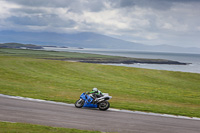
(88, 101)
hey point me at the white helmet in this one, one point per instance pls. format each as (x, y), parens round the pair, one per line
(94, 89)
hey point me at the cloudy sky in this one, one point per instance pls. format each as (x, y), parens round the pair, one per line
(152, 22)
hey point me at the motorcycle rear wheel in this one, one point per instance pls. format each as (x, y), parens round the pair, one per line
(104, 105)
(79, 103)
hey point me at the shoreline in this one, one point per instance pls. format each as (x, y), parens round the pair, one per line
(125, 60)
(120, 59)
(167, 62)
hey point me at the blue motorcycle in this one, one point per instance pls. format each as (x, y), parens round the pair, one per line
(89, 100)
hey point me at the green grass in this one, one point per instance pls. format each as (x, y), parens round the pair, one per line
(6, 127)
(132, 88)
(59, 55)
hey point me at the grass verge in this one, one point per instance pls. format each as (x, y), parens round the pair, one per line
(7, 127)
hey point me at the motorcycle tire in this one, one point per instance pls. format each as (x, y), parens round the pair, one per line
(104, 105)
(79, 103)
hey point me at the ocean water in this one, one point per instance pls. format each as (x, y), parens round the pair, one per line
(194, 59)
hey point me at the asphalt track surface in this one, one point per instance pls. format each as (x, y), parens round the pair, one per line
(58, 115)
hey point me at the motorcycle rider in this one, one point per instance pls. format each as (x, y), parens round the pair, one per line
(96, 94)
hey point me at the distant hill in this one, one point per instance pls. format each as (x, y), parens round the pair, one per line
(85, 40)
(19, 45)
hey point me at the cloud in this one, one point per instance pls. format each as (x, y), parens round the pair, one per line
(155, 4)
(74, 5)
(144, 21)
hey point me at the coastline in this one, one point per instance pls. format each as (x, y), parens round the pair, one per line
(132, 61)
(115, 59)
(184, 62)
(124, 60)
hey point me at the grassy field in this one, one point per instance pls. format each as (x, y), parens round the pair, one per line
(132, 88)
(81, 57)
(6, 127)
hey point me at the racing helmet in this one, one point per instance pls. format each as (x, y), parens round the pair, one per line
(95, 89)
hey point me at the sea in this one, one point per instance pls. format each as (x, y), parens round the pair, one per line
(193, 59)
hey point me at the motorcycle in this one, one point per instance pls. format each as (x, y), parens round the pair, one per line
(89, 100)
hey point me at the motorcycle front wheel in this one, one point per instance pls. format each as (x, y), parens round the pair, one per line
(104, 105)
(79, 103)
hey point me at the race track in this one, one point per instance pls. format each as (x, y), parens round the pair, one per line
(63, 115)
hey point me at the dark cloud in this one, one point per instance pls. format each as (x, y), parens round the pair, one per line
(41, 20)
(43, 3)
(27, 10)
(182, 1)
(127, 3)
(95, 5)
(155, 4)
(73, 5)
(98, 5)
